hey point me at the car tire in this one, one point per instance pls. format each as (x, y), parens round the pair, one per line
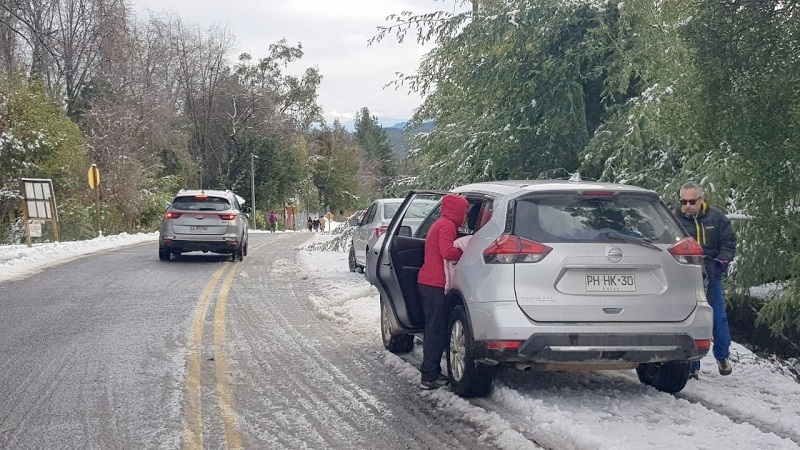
(468, 377)
(351, 259)
(163, 254)
(398, 343)
(669, 377)
(244, 250)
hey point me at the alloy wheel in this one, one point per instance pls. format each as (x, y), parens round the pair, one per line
(457, 350)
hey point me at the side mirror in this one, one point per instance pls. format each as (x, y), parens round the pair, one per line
(246, 209)
(404, 230)
(167, 207)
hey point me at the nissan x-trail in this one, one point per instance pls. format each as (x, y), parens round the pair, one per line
(558, 275)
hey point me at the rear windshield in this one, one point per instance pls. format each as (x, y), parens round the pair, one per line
(575, 218)
(197, 203)
(389, 209)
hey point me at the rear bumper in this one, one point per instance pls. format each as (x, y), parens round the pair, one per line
(594, 348)
(215, 246)
(637, 348)
(603, 343)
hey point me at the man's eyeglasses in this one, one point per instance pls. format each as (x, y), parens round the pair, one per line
(690, 202)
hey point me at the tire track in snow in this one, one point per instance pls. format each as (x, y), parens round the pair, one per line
(599, 410)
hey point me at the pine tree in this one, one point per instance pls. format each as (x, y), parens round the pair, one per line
(373, 139)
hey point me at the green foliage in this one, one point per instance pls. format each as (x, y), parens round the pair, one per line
(36, 141)
(333, 165)
(748, 55)
(652, 93)
(374, 141)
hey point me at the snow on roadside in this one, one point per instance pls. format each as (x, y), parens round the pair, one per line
(20, 260)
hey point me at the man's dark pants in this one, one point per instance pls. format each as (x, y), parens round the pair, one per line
(437, 314)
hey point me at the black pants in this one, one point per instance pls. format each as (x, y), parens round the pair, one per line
(437, 315)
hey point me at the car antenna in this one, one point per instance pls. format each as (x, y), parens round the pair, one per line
(575, 177)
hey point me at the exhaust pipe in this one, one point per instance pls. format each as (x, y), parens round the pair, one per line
(524, 367)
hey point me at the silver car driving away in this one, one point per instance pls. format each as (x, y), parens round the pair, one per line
(204, 220)
(557, 275)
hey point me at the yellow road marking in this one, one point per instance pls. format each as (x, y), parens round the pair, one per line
(193, 408)
(233, 436)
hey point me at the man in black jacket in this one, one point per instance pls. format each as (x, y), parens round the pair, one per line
(712, 230)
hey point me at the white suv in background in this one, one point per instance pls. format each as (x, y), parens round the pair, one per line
(558, 275)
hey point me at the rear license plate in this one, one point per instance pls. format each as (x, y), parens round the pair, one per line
(198, 228)
(611, 283)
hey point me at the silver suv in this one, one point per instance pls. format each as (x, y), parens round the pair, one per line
(204, 220)
(558, 275)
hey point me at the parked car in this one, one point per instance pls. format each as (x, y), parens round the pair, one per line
(204, 220)
(558, 275)
(375, 220)
(353, 220)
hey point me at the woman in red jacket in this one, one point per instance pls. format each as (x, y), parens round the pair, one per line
(431, 282)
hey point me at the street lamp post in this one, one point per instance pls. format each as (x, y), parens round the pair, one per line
(253, 191)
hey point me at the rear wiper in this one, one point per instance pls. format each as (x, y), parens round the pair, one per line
(617, 236)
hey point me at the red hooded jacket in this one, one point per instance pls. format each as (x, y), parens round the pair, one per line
(439, 242)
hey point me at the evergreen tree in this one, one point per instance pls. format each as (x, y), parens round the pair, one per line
(374, 140)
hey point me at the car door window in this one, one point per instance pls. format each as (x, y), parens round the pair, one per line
(369, 216)
(425, 226)
(479, 212)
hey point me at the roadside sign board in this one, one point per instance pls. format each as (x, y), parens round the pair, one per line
(35, 228)
(38, 193)
(94, 176)
(38, 206)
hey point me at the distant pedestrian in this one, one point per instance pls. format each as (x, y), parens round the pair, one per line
(273, 221)
(713, 231)
(316, 224)
(322, 223)
(310, 223)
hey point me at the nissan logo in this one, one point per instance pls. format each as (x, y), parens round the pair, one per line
(614, 254)
(199, 217)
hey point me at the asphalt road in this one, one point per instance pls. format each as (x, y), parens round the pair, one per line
(121, 350)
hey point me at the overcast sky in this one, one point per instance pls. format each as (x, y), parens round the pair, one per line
(334, 35)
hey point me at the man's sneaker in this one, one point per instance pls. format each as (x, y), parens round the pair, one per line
(430, 385)
(694, 373)
(724, 366)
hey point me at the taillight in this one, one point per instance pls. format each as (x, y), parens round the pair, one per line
(380, 230)
(227, 216)
(597, 193)
(703, 344)
(172, 215)
(687, 251)
(510, 249)
(504, 345)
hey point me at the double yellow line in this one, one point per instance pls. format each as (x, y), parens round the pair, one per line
(193, 399)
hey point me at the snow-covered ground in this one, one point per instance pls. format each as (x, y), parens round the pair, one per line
(757, 407)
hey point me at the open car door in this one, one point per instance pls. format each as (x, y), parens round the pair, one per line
(394, 261)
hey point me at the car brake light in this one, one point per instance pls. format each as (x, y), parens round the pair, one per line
(704, 344)
(504, 345)
(597, 193)
(380, 230)
(227, 216)
(172, 215)
(510, 249)
(687, 251)
(201, 196)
